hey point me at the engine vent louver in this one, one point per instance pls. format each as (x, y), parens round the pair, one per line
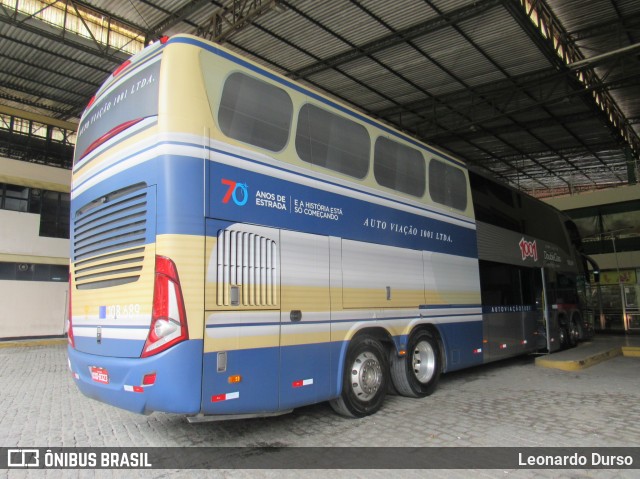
(247, 264)
(109, 239)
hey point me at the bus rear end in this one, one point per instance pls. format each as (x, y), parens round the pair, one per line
(130, 344)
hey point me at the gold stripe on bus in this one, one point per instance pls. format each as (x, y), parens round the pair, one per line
(214, 344)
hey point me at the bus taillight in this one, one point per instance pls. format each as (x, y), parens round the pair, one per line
(169, 319)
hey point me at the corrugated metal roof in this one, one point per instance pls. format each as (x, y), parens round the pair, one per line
(476, 78)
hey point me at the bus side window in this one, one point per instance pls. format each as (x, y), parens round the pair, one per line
(255, 112)
(399, 167)
(447, 185)
(333, 142)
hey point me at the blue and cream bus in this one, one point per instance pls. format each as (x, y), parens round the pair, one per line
(243, 245)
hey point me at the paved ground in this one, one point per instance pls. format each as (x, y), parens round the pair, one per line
(512, 403)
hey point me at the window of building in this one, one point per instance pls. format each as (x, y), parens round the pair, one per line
(601, 225)
(34, 272)
(255, 112)
(54, 214)
(399, 167)
(15, 198)
(52, 206)
(331, 141)
(447, 185)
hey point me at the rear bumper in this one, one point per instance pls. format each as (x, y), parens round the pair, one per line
(177, 388)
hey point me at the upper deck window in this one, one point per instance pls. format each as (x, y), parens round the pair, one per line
(331, 141)
(255, 112)
(447, 185)
(399, 167)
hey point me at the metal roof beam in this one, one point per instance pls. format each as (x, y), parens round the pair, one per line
(228, 20)
(27, 115)
(56, 55)
(621, 25)
(59, 35)
(554, 44)
(400, 36)
(122, 21)
(176, 17)
(591, 61)
(25, 101)
(42, 96)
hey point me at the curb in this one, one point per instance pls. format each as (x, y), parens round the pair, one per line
(32, 342)
(592, 360)
(631, 351)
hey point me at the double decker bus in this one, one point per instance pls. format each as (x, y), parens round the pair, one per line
(243, 245)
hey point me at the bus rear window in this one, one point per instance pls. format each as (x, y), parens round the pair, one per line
(133, 97)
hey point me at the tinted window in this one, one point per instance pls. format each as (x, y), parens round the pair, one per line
(135, 96)
(399, 167)
(255, 112)
(494, 203)
(543, 221)
(331, 141)
(447, 185)
(14, 197)
(499, 284)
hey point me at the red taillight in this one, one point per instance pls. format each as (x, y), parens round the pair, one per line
(119, 70)
(110, 134)
(169, 319)
(164, 39)
(70, 337)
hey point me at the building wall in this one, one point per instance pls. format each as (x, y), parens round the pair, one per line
(615, 300)
(33, 307)
(623, 260)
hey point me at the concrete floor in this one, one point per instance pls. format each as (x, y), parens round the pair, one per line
(512, 403)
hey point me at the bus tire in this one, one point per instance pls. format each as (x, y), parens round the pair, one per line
(574, 333)
(582, 334)
(417, 373)
(365, 378)
(562, 336)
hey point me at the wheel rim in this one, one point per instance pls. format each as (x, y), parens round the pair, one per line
(423, 361)
(366, 376)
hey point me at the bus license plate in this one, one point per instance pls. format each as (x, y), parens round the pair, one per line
(99, 375)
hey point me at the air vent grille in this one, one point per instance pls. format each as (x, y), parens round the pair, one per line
(247, 269)
(109, 239)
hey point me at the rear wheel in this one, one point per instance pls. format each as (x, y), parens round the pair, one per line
(417, 373)
(574, 333)
(563, 336)
(365, 378)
